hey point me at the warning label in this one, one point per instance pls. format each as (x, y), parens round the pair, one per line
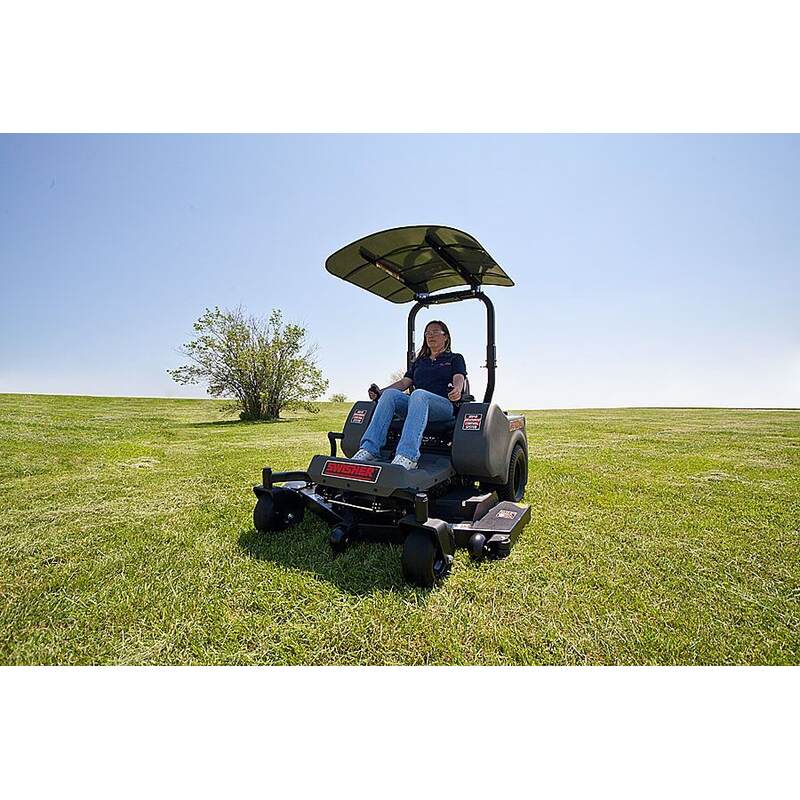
(472, 422)
(358, 416)
(516, 424)
(503, 514)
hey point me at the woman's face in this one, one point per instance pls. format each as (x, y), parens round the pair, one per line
(435, 337)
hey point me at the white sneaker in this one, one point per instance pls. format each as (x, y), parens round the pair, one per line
(364, 455)
(405, 463)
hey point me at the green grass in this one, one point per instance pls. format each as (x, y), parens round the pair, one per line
(657, 537)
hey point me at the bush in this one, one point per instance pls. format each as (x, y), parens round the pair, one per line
(338, 397)
(264, 365)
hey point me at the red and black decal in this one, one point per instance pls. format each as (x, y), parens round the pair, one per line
(359, 416)
(472, 422)
(366, 473)
(516, 424)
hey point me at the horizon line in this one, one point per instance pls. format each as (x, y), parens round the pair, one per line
(558, 408)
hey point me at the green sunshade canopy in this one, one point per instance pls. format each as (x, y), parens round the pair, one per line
(401, 263)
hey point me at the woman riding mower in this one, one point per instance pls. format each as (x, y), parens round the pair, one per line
(438, 377)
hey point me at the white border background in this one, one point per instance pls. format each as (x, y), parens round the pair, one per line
(341, 66)
(437, 65)
(399, 732)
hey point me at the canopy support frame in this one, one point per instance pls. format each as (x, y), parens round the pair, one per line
(426, 300)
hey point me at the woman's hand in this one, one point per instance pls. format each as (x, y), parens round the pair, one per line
(454, 395)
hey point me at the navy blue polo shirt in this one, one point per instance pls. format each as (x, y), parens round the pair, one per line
(434, 375)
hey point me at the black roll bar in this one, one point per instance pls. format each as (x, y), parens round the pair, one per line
(425, 300)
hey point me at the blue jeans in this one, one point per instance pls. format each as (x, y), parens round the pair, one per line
(417, 408)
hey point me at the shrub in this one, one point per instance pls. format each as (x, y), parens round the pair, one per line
(262, 363)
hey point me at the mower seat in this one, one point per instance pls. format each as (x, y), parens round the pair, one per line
(441, 430)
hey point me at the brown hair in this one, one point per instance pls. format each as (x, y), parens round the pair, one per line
(425, 351)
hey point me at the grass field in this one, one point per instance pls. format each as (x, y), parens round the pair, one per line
(657, 537)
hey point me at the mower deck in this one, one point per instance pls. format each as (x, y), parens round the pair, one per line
(456, 516)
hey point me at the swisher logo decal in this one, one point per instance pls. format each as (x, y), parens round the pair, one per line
(351, 471)
(472, 422)
(359, 416)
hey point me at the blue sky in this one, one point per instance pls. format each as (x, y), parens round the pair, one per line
(650, 270)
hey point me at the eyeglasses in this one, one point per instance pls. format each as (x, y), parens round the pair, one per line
(435, 333)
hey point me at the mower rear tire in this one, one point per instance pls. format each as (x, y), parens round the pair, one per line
(423, 564)
(514, 487)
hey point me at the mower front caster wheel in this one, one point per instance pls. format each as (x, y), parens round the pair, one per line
(477, 547)
(339, 539)
(264, 516)
(423, 564)
(279, 509)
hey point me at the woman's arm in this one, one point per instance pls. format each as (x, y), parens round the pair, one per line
(458, 387)
(402, 385)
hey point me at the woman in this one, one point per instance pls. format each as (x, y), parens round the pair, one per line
(437, 376)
